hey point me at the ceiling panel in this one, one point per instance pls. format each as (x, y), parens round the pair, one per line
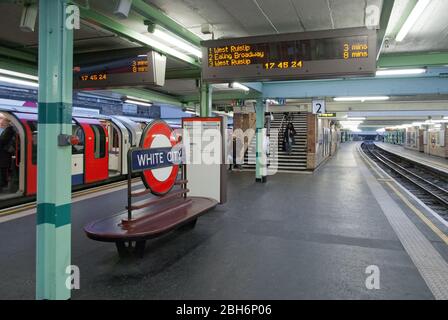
(248, 15)
(193, 13)
(430, 32)
(235, 18)
(9, 26)
(348, 13)
(283, 14)
(88, 37)
(177, 87)
(316, 14)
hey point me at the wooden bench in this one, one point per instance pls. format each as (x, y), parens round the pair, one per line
(149, 218)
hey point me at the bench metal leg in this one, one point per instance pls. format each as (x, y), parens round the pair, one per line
(123, 251)
(127, 248)
(140, 248)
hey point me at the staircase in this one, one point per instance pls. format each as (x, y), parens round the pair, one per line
(294, 162)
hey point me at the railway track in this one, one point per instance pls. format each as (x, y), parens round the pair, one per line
(428, 184)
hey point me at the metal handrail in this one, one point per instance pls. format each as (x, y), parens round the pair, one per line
(282, 130)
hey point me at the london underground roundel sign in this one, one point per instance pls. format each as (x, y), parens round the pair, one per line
(156, 158)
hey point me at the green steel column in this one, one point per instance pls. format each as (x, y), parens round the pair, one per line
(54, 162)
(205, 99)
(260, 164)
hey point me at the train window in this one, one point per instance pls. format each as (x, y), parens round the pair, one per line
(33, 128)
(99, 141)
(78, 132)
(115, 145)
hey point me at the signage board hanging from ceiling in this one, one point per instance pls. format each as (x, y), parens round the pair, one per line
(141, 70)
(294, 56)
(319, 106)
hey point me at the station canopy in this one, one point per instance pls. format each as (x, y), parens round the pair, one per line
(176, 29)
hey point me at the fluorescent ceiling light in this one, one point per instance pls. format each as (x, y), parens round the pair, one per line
(351, 123)
(19, 82)
(400, 72)
(177, 42)
(140, 103)
(190, 111)
(362, 99)
(164, 48)
(412, 19)
(19, 74)
(136, 98)
(237, 85)
(355, 118)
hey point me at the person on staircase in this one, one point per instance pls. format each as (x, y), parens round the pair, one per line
(288, 137)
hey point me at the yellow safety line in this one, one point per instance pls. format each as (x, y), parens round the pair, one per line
(428, 222)
(419, 214)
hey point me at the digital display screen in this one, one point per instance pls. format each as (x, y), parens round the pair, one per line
(120, 73)
(288, 54)
(319, 54)
(99, 72)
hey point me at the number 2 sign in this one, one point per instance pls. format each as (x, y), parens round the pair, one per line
(319, 106)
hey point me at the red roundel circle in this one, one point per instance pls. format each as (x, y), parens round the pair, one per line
(158, 134)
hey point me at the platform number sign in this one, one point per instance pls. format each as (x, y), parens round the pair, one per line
(319, 106)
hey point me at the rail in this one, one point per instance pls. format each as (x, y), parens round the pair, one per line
(439, 193)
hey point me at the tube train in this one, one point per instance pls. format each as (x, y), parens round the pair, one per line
(99, 157)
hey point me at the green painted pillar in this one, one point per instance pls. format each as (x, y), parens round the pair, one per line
(54, 162)
(206, 99)
(260, 157)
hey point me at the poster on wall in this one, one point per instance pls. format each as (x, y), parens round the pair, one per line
(204, 139)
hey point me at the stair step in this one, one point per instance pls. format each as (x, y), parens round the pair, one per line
(284, 158)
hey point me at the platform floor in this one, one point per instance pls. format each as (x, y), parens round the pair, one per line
(295, 237)
(438, 162)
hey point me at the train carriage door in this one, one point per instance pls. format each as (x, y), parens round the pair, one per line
(114, 150)
(26, 160)
(120, 144)
(134, 128)
(96, 144)
(78, 155)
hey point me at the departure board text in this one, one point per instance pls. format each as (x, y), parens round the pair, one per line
(288, 54)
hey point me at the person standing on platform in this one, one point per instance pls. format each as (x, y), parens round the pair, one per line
(7, 148)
